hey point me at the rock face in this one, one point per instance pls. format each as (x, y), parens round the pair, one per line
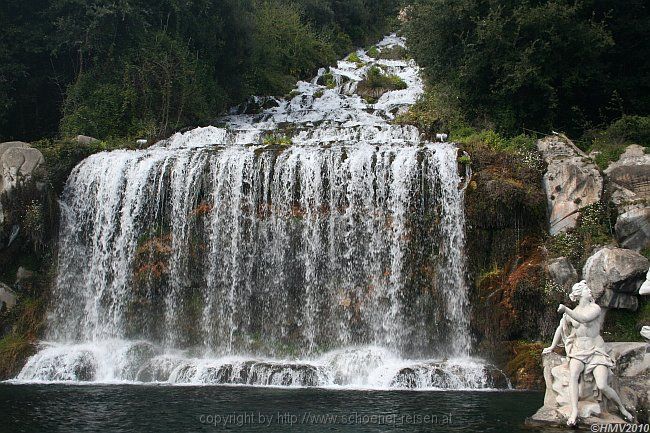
(572, 181)
(633, 229)
(632, 171)
(633, 373)
(562, 272)
(7, 297)
(19, 164)
(614, 276)
(629, 186)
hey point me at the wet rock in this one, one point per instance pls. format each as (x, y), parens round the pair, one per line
(445, 375)
(632, 171)
(264, 373)
(562, 272)
(222, 374)
(571, 182)
(85, 368)
(405, 378)
(136, 356)
(242, 372)
(158, 369)
(614, 276)
(633, 229)
(7, 298)
(496, 378)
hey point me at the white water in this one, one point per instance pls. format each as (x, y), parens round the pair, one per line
(115, 361)
(213, 257)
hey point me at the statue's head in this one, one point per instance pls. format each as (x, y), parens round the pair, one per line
(580, 290)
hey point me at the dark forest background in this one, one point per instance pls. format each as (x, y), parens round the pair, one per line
(139, 68)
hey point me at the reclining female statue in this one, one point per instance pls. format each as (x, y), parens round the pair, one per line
(579, 333)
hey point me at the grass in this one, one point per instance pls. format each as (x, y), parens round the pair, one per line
(328, 80)
(277, 139)
(376, 79)
(354, 58)
(27, 319)
(625, 325)
(394, 53)
(14, 349)
(373, 52)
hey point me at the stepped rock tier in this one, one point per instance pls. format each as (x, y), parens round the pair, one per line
(305, 241)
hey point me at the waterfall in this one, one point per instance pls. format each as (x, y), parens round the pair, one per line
(226, 255)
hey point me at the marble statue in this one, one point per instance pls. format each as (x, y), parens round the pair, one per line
(589, 363)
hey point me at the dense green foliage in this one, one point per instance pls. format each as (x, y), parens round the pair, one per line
(111, 68)
(563, 64)
(611, 142)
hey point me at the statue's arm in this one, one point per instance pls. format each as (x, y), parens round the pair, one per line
(556, 338)
(583, 317)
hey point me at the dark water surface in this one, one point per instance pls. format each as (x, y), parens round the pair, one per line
(135, 408)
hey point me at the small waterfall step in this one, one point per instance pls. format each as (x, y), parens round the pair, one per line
(357, 367)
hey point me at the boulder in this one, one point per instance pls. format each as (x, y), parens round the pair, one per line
(85, 140)
(571, 182)
(632, 374)
(562, 272)
(632, 359)
(19, 164)
(7, 298)
(3, 148)
(633, 229)
(618, 300)
(635, 393)
(614, 276)
(632, 171)
(9, 144)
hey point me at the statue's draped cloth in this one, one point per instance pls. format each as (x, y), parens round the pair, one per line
(589, 350)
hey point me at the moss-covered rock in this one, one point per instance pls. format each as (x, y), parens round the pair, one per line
(376, 83)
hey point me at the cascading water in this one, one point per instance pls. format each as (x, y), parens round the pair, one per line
(224, 256)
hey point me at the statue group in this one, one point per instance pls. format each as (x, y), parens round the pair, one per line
(578, 385)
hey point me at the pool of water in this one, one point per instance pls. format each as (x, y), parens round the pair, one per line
(139, 408)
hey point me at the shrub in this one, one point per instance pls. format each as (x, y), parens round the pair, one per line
(354, 58)
(611, 142)
(373, 52)
(395, 52)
